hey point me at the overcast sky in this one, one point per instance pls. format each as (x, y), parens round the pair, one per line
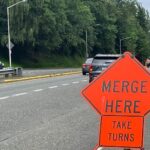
(145, 4)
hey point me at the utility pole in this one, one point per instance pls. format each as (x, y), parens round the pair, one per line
(86, 44)
(8, 24)
(120, 40)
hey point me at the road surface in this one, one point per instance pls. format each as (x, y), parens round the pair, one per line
(49, 114)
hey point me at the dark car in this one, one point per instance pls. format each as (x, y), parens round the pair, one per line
(101, 62)
(86, 65)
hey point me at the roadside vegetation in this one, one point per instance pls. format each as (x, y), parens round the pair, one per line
(52, 33)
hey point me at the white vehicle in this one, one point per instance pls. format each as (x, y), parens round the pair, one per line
(147, 62)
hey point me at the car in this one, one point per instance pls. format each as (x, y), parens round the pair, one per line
(86, 65)
(147, 62)
(1, 65)
(101, 62)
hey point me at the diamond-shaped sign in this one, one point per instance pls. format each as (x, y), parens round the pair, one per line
(122, 89)
(11, 45)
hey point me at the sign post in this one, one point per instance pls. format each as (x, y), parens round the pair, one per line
(121, 96)
(9, 45)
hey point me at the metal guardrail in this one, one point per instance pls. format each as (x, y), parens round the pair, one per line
(11, 71)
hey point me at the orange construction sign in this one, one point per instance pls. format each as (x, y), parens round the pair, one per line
(121, 94)
(121, 131)
(123, 89)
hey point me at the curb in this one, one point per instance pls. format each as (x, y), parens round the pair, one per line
(41, 76)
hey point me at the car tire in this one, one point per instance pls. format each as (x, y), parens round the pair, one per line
(83, 73)
(90, 80)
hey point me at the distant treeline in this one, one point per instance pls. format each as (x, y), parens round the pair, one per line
(58, 27)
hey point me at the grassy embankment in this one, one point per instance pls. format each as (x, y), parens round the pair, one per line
(51, 62)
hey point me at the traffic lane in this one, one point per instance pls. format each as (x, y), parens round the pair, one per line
(147, 123)
(48, 119)
(36, 99)
(75, 131)
(8, 89)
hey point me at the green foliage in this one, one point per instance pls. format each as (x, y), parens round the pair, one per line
(58, 27)
(54, 61)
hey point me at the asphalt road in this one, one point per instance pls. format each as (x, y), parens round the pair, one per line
(49, 114)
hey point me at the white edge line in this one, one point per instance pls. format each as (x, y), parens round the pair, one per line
(65, 84)
(19, 94)
(52, 87)
(100, 148)
(84, 80)
(5, 97)
(38, 90)
(75, 82)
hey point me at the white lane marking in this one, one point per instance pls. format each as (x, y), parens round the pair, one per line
(1, 98)
(84, 80)
(19, 94)
(52, 87)
(65, 84)
(76, 82)
(38, 90)
(100, 148)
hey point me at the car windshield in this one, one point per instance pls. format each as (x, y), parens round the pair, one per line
(104, 59)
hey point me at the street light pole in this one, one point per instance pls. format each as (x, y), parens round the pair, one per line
(86, 41)
(9, 37)
(8, 25)
(120, 47)
(86, 44)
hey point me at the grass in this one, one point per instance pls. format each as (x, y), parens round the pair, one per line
(55, 62)
(48, 62)
(6, 63)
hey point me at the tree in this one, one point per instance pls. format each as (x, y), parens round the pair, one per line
(58, 27)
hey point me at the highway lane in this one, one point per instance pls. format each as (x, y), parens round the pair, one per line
(46, 114)
(49, 114)
(11, 88)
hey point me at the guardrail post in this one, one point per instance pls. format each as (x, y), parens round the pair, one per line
(18, 71)
(6, 75)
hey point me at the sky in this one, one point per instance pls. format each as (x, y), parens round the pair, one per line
(145, 4)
